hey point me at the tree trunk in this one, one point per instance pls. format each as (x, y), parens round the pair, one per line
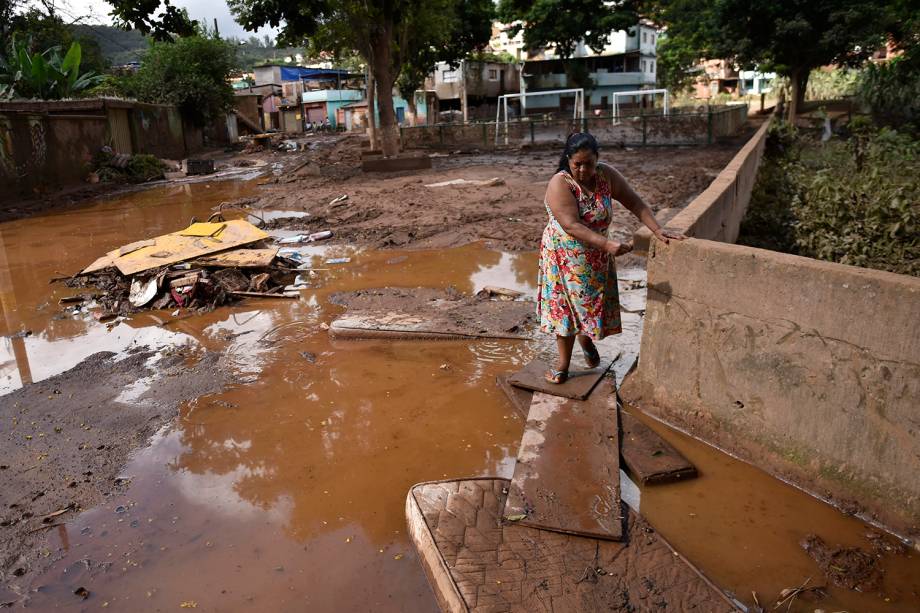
(371, 119)
(793, 97)
(798, 82)
(413, 110)
(803, 85)
(383, 72)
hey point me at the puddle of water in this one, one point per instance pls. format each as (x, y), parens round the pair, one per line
(286, 492)
(743, 528)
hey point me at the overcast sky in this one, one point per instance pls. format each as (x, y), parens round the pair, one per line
(202, 10)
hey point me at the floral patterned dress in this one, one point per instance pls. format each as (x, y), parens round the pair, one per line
(577, 284)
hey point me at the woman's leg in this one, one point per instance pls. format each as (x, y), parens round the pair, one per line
(564, 344)
(591, 355)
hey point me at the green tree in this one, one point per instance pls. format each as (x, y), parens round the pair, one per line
(677, 64)
(139, 15)
(384, 33)
(43, 31)
(191, 73)
(555, 23)
(789, 36)
(448, 36)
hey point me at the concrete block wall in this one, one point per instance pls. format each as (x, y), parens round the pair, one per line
(716, 214)
(808, 369)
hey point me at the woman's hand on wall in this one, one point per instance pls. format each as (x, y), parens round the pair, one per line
(665, 236)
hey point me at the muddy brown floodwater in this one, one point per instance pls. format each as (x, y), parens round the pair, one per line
(285, 491)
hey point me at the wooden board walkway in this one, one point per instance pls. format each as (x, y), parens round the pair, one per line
(567, 475)
(474, 563)
(648, 457)
(578, 386)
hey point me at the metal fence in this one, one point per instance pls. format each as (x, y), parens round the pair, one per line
(680, 127)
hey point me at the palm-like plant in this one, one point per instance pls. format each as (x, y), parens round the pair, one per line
(46, 76)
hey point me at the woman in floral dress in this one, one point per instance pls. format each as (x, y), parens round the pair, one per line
(578, 280)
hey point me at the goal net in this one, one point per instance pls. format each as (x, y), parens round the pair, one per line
(512, 107)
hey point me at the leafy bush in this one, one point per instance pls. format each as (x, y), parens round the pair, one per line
(191, 73)
(832, 84)
(853, 201)
(46, 76)
(891, 91)
(119, 168)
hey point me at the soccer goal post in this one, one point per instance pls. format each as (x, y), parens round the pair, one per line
(501, 112)
(638, 93)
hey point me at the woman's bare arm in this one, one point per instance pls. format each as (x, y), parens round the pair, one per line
(565, 209)
(623, 191)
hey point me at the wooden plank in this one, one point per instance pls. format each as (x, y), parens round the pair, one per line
(474, 563)
(174, 247)
(204, 228)
(567, 476)
(578, 386)
(649, 458)
(239, 258)
(519, 397)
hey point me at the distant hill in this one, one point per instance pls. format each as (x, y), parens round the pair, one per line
(118, 46)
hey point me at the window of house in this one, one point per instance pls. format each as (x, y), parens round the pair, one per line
(651, 67)
(643, 65)
(645, 37)
(493, 74)
(653, 38)
(450, 76)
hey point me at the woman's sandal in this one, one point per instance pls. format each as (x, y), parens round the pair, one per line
(592, 356)
(557, 377)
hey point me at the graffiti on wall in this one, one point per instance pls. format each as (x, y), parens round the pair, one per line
(39, 143)
(7, 163)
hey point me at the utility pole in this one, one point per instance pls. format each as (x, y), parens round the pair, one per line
(216, 31)
(463, 103)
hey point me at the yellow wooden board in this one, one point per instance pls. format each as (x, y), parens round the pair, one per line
(239, 258)
(204, 229)
(175, 247)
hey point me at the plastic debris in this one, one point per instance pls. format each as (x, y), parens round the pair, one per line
(338, 261)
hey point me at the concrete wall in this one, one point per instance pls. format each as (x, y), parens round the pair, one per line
(809, 369)
(45, 146)
(651, 130)
(716, 214)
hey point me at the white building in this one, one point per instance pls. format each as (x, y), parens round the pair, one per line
(627, 62)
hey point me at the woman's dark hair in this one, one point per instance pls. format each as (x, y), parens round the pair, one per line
(579, 141)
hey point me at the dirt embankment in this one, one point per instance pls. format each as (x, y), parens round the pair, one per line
(403, 210)
(65, 442)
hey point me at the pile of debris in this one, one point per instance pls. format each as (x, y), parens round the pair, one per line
(199, 268)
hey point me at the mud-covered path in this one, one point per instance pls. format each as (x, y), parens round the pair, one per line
(252, 463)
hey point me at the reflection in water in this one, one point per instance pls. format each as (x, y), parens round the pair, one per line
(302, 466)
(286, 491)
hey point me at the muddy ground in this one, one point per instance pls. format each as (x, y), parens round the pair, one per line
(66, 439)
(399, 210)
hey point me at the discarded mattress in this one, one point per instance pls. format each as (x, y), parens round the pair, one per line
(474, 563)
(425, 313)
(567, 474)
